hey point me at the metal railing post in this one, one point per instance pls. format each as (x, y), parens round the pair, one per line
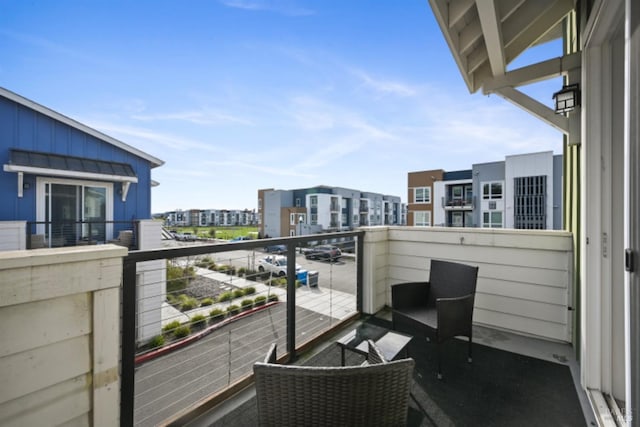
(291, 301)
(127, 386)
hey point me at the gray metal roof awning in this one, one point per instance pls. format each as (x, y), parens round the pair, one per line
(51, 164)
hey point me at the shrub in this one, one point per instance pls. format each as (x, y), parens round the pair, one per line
(233, 310)
(216, 315)
(227, 269)
(246, 304)
(178, 277)
(182, 331)
(225, 296)
(260, 300)
(206, 302)
(249, 290)
(242, 271)
(238, 293)
(206, 262)
(187, 302)
(273, 297)
(169, 327)
(157, 341)
(198, 321)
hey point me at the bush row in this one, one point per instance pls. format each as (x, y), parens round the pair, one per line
(184, 302)
(177, 330)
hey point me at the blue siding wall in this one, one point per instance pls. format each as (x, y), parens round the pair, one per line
(24, 128)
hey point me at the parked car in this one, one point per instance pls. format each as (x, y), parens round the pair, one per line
(329, 252)
(240, 238)
(276, 249)
(186, 237)
(276, 264)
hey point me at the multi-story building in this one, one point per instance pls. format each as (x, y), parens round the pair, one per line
(523, 191)
(322, 209)
(210, 217)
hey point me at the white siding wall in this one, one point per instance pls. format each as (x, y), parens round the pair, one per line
(152, 276)
(523, 281)
(438, 218)
(12, 235)
(59, 308)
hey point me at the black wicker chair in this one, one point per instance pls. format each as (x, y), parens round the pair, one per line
(376, 393)
(441, 308)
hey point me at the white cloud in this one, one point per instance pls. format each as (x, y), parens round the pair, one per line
(204, 117)
(384, 86)
(284, 7)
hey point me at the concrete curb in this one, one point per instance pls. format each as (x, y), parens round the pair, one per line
(152, 354)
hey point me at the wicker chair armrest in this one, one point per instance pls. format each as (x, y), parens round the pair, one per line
(374, 356)
(410, 294)
(271, 354)
(455, 316)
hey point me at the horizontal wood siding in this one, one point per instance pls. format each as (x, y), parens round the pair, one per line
(59, 308)
(524, 278)
(12, 235)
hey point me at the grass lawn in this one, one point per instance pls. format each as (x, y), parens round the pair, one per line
(226, 233)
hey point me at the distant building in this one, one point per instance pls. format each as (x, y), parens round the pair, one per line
(210, 217)
(324, 209)
(523, 191)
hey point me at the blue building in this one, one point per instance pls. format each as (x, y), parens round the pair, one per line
(68, 181)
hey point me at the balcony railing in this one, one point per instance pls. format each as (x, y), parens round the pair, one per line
(450, 202)
(56, 234)
(195, 318)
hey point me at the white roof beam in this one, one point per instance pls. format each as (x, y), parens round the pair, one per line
(492, 29)
(469, 37)
(532, 21)
(534, 73)
(458, 9)
(536, 108)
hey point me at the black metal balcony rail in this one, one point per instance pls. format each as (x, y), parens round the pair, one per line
(451, 202)
(56, 234)
(226, 312)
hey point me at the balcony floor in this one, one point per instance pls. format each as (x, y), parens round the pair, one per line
(513, 380)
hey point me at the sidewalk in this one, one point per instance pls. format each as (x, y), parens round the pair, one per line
(318, 299)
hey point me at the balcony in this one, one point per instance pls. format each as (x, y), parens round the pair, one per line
(523, 301)
(458, 203)
(57, 234)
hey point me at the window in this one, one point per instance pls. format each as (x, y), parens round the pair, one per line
(492, 219)
(530, 194)
(422, 219)
(313, 200)
(292, 218)
(314, 219)
(297, 202)
(492, 190)
(422, 195)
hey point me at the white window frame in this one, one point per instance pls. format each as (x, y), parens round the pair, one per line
(490, 195)
(426, 197)
(425, 221)
(491, 223)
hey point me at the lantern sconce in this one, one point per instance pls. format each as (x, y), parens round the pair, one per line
(567, 99)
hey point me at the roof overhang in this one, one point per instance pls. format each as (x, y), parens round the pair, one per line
(485, 36)
(153, 161)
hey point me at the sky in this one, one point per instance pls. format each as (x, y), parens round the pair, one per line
(240, 95)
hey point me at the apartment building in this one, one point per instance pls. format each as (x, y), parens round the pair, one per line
(523, 191)
(210, 217)
(323, 209)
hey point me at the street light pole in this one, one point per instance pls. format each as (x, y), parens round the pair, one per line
(300, 219)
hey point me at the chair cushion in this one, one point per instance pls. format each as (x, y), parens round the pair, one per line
(426, 316)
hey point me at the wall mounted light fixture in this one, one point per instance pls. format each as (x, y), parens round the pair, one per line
(567, 99)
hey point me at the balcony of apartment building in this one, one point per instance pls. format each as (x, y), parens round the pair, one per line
(66, 233)
(192, 321)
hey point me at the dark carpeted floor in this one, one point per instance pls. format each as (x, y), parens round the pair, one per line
(498, 389)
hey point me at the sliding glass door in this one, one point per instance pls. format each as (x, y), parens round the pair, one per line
(74, 211)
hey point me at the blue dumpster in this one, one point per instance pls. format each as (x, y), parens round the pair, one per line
(301, 275)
